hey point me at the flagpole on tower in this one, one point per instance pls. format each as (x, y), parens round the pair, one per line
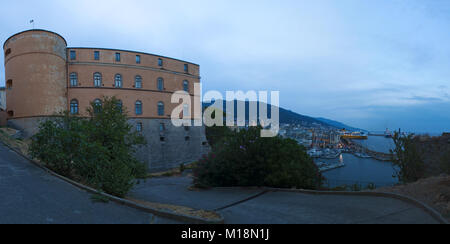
(32, 23)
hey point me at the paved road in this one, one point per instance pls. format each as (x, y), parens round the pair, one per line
(30, 195)
(282, 207)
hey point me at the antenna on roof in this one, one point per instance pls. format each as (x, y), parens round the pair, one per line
(32, 22)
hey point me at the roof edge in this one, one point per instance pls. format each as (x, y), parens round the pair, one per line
(42, 30)
(138, 52)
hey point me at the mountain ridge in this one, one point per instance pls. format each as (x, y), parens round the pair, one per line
(287, 116)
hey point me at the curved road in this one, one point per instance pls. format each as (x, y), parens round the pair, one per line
(282, 207)
(29, 195)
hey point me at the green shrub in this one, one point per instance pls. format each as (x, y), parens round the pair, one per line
(98, 151)
(246, 159)
(407, 158)
(116, 178)
(216, 134)
(58, 142)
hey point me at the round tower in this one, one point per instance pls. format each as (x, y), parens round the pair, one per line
(36, 77)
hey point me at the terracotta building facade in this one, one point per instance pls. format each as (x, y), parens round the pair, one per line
(44, 77)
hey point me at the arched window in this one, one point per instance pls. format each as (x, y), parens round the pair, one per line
(160, 84)
(74, 106)
(138, 82)
(118, 81)
(138, 108)
(97, 79)
(186, 86)
(97, 105)
(160, 109)
(73, 79)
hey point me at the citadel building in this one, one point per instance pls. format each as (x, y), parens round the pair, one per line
(44, 76)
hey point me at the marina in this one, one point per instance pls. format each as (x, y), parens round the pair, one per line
(363, 162)
(361, 171)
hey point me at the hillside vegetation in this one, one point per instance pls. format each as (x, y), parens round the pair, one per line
(245, 159)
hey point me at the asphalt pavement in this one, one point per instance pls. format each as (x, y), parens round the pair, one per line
(29, 195)
(255, 206)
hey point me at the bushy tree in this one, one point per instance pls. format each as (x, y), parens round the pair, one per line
(98, 150)
(215, 134)
(246, 159)
(59, 142)
(407, 158)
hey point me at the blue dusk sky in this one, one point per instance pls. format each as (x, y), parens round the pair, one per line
(370, 64)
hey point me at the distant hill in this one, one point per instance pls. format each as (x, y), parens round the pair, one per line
(290, 117)
(339, 124)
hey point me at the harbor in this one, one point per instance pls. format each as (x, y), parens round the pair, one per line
(357, 161)
(362, 171)
(347, 157)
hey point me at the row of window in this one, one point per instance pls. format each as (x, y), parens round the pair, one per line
(162, 128)
(73, 56)
(74, 107)
(118, 81)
